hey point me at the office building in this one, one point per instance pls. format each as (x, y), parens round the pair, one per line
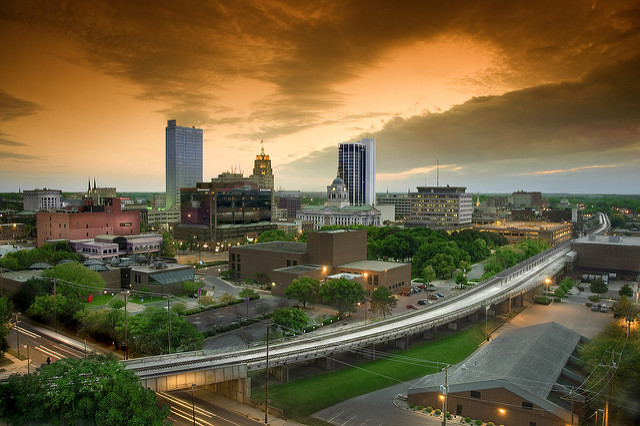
(183, 160)
(402, 203)
(514, 231)
(41, 199)
(262, 173)
(357, 168)
(529, 200)
(441, 207)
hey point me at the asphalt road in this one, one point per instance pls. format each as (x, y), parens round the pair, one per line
(185, 406)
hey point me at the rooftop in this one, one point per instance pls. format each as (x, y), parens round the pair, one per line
(299, 269)
(609, 239)
(372, 265)
(279, 246)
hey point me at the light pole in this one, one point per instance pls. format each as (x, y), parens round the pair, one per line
(28, 359)
(193, 404)
(547, 281)
(17, 335)
(126, 337)
(486, 321)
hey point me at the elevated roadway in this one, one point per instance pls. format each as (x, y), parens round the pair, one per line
(176, 371)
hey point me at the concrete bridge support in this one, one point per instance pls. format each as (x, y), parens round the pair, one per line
(325, 363)
(238, 390)
(402, 343)
(281, 373)
(454, 325)
(430, 333)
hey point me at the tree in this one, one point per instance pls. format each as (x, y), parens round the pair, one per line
(382, 301)
(226, 298)
(149, 332)
(96, 390)
(464, 266)
(598, 286)
(168, 245)
(342, 294)
(428, 274)
(461, 279)
(5, 325)
(626, 290)
(290, 318)
(248, 292)
(274, 235)
(624, 308)
(76, 280)
(443, 264)
(303, 290)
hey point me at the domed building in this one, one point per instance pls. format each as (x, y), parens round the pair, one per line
(337, 210)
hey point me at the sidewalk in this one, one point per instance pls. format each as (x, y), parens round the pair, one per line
(13, 365)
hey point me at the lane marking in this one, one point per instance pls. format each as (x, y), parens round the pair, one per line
(25, 331)
(49, 352)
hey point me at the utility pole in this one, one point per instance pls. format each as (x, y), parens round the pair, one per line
(612, 365)
(446, 395)
(169, 320)
(266, 383)
(55, 306)
(17, 335)
(126, 337)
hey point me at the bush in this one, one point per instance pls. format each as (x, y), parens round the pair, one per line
(429, 409)
(479, 422)
(411, 405)
(557, 299)
(588, 304)
(559, 292)
(543, 300)
(598, 286)
(420, 407)
(467, 419)
(626, 290)
(437, 412)
(594, 298)
(491, 424)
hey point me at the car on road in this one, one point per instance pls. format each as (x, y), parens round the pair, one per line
(423, 302)
(440, 295)
(604, 308)
(595, 307)
(410, 306)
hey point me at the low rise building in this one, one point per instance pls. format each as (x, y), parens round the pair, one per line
(552, 233)
(41, 199)
(324, 254)
(441, 207)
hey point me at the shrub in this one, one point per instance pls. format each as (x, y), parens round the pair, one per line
(437, 412)
(411, 405)
(559, 292)
(467, 419)
(588, 304)
(491, 424)
(429, 409)
(543, 300)
(420, 407)
(626, 290)
(479, 422)
(557, 299)
(594, 298)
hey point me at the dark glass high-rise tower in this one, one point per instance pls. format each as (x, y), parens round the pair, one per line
(183, 160)
(357, 168)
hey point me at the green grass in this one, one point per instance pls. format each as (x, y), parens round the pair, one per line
(298, 402)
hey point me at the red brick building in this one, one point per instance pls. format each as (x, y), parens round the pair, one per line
(88, 222)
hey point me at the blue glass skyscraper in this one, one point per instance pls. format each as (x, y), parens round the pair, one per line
(183, 160)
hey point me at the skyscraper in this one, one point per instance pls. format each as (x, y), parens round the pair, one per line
(262, 173)
(184, 160)
(357, 168)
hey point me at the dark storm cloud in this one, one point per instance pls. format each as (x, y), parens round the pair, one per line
(305, 49)
(598, 115)
(12, 107)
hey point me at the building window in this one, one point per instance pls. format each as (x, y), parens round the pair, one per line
(527, 405)
(288, 262)
(233, 257)
(532, 423)
(476, 394)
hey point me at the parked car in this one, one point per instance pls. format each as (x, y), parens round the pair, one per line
(423, 302)
(440, 295)
(432, 297)
(604, 308)
(412, 306)
(595, 307)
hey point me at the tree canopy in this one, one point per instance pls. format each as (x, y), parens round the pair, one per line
(22, 259)
(382, 301)
(290, 318)
(5, 324)
(97, 390)
(342, 294)
(303, 290)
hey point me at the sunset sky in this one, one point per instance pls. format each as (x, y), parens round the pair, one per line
(506, 95)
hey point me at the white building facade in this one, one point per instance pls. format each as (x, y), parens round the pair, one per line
(41, 199)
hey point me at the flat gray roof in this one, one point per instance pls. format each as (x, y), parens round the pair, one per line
(299, 269)
(609, 240)
(281, 246)
(372, 265)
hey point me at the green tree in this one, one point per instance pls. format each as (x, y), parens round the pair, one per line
(28, 292)
(625, 309)
(149, 332)
(464, 266)
(76, 280)
(227, 298)
(96, 390)
(290, 318)
(44, 309)
(428, 274)
(443, 264)
(626, 290)
(248, 292)
(342, 294)
(461, 279)
(5, 325)
(598, 286)
(168, 245)
(382, 301)
(304, 290)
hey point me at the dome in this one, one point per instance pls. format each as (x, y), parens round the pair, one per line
(337, 181)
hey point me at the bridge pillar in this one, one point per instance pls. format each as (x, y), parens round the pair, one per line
(453, 325)
(281, 373)
(325, 363)
(369, 353)
(402, 343)
(237, 390)
(430, 333)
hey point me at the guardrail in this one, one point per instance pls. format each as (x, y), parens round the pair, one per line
(309, 346)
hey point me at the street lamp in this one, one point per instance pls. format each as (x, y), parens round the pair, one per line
(28, 359)
(193, 404)
(17, 335)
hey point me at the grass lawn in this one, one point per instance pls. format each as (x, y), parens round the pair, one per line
(298, 402)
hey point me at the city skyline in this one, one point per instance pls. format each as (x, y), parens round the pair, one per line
(506, 96)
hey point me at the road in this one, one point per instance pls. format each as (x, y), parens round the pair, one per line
(184, 407)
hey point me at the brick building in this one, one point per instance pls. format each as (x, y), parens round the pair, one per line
(324, 254)
(88, 222)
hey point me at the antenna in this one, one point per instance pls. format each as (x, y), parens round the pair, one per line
(437, 172)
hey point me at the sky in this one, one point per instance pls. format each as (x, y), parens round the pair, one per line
(503, 95)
